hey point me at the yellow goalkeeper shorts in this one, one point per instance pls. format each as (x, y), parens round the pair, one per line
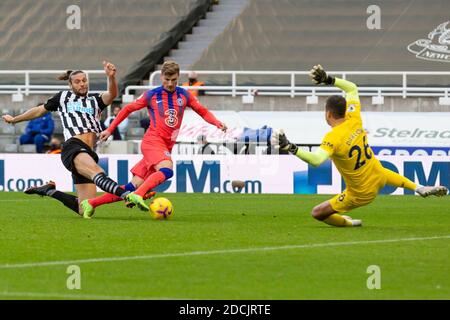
(351, 199)
(346, 201)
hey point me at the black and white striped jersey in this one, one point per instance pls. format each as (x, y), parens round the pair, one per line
(78, 114)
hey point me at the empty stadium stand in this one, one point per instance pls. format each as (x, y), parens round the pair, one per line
(189, 50)
(280, 35)
(35, 35)
(296, 34)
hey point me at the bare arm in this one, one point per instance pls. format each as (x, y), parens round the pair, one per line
(30, 114)
(109, 96)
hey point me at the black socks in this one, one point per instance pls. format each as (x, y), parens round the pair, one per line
(68, 200)
(106, 184)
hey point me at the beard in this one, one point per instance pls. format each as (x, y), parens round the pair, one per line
(81, 93)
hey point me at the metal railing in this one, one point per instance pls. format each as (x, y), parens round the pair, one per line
(28, 88)
(402, 89)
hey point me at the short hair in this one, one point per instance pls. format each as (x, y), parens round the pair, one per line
(169, 68)
(337, 106)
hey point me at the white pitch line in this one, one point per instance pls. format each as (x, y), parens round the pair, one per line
(76, 296)
(212, 252)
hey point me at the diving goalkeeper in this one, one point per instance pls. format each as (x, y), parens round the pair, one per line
(347, 146)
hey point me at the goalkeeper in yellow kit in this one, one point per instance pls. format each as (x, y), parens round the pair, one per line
(347, 146)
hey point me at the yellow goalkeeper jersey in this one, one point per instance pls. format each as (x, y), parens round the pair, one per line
(348, 147)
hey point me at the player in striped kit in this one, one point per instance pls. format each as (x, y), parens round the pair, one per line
(80, 116)
(166, 105)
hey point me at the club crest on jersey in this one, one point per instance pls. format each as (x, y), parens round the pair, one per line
(180, 102)
(171, 118)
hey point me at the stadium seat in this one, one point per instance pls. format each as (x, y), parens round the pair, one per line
(9, 148)
(134, 123)
(135, 133)
(6, 111)
(136, 116)
(27, 148)
(6, 140)
(20, 128)
(6, 129)
(58, 126)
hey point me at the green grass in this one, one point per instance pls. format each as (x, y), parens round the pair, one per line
(36, 230)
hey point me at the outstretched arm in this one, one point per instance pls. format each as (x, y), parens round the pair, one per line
(315, 158)
(353, 108)
(319, 76)
(109, 96)
(351, 90)
(205, 113)
(33, 113)
(279, 140)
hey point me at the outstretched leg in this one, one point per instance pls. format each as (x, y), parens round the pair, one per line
(438, 191)
(140, 171)
(324, 212)
(163, 171)
(399, 181)
(89, 205)
(86, 166)
(110, 198)
(49, 190)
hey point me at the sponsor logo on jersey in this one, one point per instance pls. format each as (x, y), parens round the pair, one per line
(171, 119)
(327, 144)
(77, 106)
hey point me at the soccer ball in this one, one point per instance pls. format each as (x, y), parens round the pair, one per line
(161, 208)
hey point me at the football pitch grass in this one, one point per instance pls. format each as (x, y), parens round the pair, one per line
(225, 246)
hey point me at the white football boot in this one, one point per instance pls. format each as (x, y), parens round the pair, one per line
(435, 191)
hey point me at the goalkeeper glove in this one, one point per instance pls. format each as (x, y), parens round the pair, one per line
(318, 75)
(280, 141)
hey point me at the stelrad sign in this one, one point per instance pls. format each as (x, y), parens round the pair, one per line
(424, 129)
(405, 129)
